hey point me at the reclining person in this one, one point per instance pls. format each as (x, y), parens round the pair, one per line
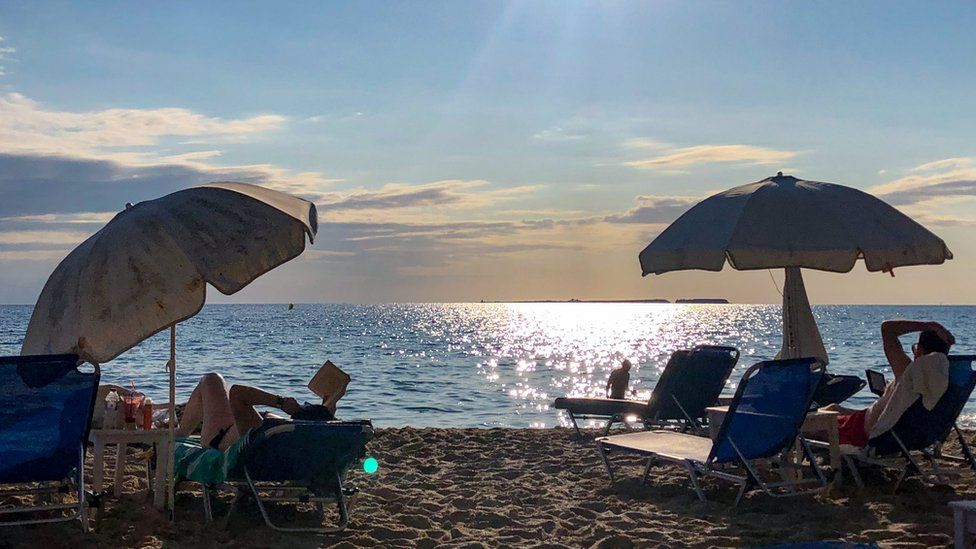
(925, 374)
(225, 418)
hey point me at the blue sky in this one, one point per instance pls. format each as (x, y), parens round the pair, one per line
(469, 150)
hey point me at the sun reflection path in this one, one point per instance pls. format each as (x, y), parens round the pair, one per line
(538, 351)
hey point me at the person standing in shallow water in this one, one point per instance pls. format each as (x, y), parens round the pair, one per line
(619, 380)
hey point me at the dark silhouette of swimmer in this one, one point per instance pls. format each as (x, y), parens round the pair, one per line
(619, 379)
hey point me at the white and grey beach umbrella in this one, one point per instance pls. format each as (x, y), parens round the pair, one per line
(787, 223)
(148, 268)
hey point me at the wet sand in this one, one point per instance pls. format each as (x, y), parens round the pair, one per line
(520, 487)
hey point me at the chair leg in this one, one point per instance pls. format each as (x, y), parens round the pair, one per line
(813, 461)
(341, 503)
(207, 504)
(579, 435)
(82, 500)
(854, 473)
(743, 488)
(610, 422)
(966, 451)
(234, 503)
(606, 462)
(647, 470)
(936, 470)
(695, 483)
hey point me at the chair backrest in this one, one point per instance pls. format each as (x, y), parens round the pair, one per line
(919, 428)
(311, 451)
(45, 414)
(694, 378)
(768, 409)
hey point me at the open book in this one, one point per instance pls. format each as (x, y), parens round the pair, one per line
(330, 384)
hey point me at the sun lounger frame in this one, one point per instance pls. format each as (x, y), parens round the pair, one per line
(75, 485)
(651, 419)
(748, 475)
(72, 485)
(243, 484)
(287, 493)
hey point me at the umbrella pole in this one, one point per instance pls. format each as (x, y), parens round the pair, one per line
(171, 482)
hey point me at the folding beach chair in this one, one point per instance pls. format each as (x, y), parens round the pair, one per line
(691, 381)
(921, 431)
(762, 423)
(45, 414)
(296, 461)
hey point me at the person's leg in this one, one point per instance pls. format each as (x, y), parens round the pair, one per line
(243, 399)
(242, 406)
(209, 405)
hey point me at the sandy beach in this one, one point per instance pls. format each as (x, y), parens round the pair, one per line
(521, 487)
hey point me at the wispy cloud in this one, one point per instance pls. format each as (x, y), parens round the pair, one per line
(655, 209)
(6, 54)
(707, 154)
(26, 126)
(133, 139)
(558, 133)
(42, 237)
(452, 193)
(933, 192)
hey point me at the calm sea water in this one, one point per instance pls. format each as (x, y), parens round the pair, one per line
(468, 365)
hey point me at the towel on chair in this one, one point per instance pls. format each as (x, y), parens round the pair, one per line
(926, 377)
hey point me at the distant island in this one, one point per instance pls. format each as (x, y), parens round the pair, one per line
(689, 301)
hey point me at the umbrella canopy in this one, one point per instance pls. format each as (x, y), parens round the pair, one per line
(147, 269)
(785, 222)
(782, 222)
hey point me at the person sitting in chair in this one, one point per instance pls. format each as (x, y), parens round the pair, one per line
(925, 375)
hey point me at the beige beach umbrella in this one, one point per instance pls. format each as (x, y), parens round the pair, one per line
(148, 268)
(786, 223)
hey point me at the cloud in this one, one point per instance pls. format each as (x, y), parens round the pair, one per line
(655, 209)
(135, 139)
(26, 126)
(932, 191)
(707, 154)
(6, 54)
(557, 133)
(43, 237)
(454, 193)
(947, 163)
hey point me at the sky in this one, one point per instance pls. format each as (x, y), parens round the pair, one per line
(460, 151)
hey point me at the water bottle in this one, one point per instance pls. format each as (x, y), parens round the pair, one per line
(147, 413)
(110, 419)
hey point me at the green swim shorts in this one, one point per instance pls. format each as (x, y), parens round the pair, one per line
(204, 463)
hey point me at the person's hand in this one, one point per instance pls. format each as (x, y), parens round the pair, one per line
(290, 406)
(944, 333)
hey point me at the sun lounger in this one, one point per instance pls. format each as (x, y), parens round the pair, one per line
(45, 414)
(921, 433)
(691, 381)
(835, 389)
(762, 423)
(296, 461)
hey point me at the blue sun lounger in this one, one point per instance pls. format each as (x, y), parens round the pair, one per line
(923, 432)
(762, 423)
(45, 414)
(296, 461)
(691, 381)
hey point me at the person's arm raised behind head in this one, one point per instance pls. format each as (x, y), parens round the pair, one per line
(891, 330)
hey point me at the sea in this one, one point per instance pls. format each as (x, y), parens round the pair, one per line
(482, 365)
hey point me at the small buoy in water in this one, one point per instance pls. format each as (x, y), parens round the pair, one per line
(291, 306)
